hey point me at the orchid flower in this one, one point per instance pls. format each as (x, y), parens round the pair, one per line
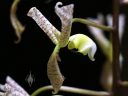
(61, 39)
(11, 88)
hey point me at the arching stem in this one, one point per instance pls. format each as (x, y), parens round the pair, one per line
(91, 23)
(71, 90)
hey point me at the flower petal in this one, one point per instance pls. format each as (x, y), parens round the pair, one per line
(15, 85)
(84, 44)
(53, 72)
(66, 14)
(85, 49)
(92, 51)
(44, 24)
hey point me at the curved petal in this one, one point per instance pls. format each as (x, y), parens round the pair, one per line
(53, 71)
(84, 44)
(65, 14)
(92, 51)
(85, 49)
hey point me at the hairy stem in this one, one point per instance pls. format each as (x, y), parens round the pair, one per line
(91, 23)
(71, 90)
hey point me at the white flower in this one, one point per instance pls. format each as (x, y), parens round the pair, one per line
(84, 44)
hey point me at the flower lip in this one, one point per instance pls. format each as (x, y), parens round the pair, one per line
(84, 44)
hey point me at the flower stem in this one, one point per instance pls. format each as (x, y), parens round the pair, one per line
(71, 90)
(91, 23)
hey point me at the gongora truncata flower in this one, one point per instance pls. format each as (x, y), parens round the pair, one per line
(61, 39)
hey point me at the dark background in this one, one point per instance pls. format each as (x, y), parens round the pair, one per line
(32, 53)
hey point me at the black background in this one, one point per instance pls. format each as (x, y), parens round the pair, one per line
(32, 53)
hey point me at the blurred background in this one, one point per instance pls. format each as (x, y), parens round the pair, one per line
(35, 48)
